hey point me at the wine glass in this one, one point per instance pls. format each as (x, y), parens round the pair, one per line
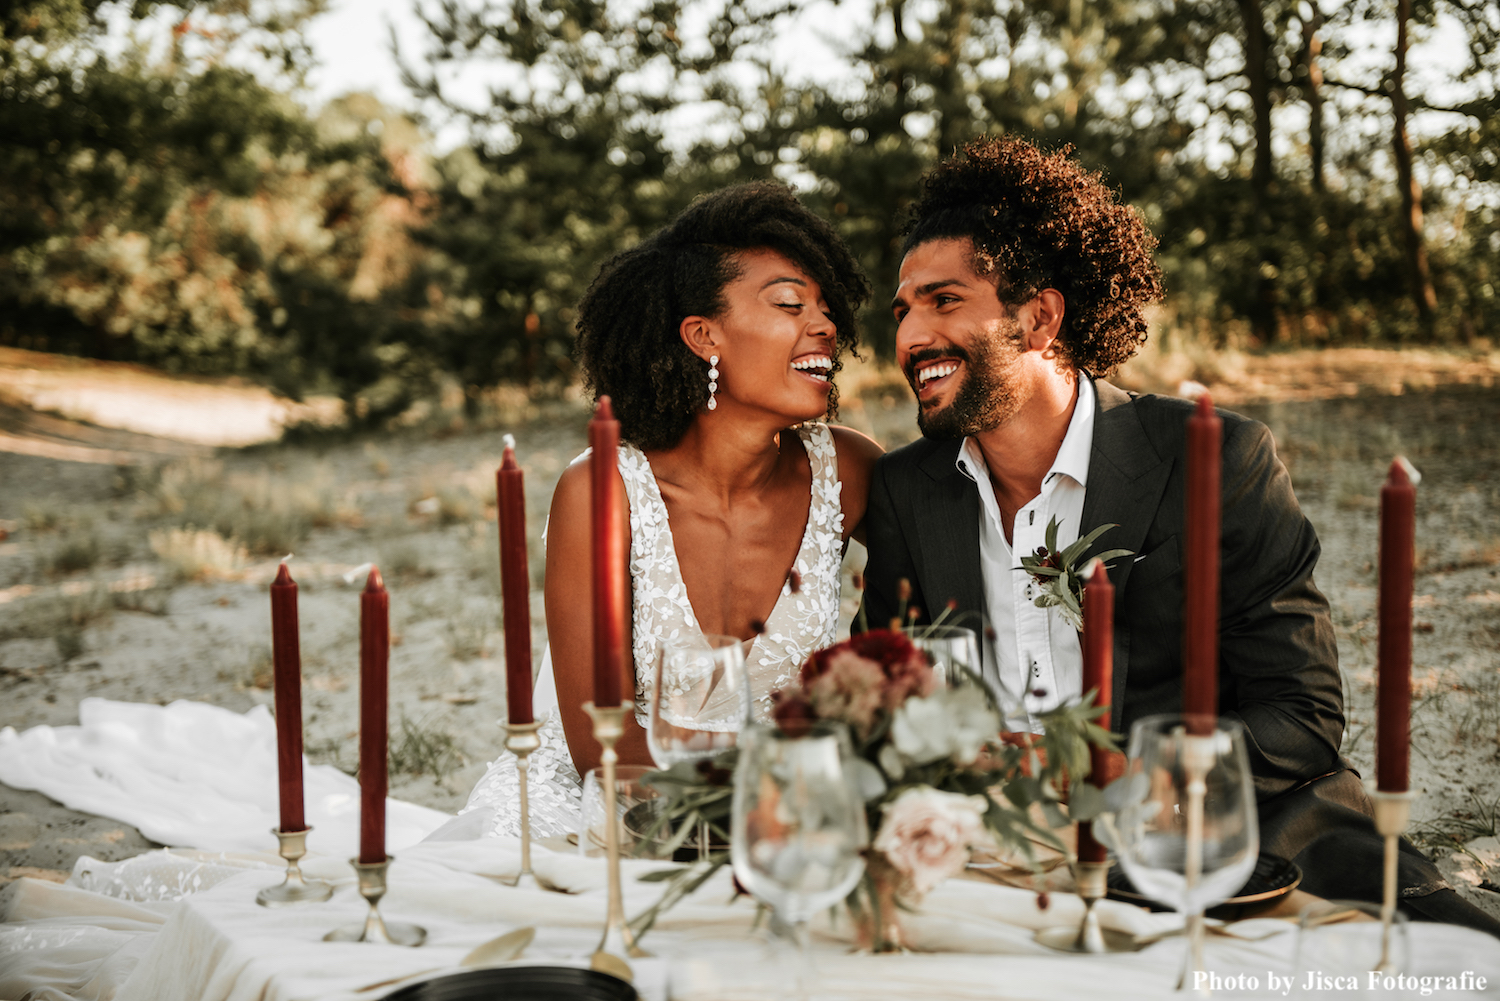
(1188, 837)
(700, 698)
(1342, 940)
(798, 824)
(632, 796)
(953, 650)
(699, 701)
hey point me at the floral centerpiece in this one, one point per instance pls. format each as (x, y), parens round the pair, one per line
(938, 778)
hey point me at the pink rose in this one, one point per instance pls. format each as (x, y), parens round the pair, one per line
(926, 835)
(849, 689)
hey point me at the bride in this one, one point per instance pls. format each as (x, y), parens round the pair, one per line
(716, 340)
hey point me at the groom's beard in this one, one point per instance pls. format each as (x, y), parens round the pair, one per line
(985, 398)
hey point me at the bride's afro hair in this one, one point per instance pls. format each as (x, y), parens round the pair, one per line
(628, 320)
(1040, 220)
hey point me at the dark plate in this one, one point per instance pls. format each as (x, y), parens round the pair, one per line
(1273, 877)
(520, 983)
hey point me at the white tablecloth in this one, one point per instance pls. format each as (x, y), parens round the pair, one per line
(218, 945)
(191, 775)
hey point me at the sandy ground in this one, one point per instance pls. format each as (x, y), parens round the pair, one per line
(89, 607)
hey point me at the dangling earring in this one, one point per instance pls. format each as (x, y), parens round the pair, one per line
(713, 385)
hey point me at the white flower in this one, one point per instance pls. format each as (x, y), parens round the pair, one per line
(926, 835)
(950, 723)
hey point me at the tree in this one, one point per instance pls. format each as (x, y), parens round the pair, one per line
(171, 206)
(1406, 183)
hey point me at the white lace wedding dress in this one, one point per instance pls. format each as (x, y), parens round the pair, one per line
(803, 620)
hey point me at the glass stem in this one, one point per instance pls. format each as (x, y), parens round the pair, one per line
(792, 935)
(1192, 965)
(805, 973)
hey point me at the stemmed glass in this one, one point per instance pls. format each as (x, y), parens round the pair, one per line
(1188, 837)
(699, 702)
(798, 825)
(954, 652)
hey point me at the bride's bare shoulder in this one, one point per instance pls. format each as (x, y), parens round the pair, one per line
(856, 456)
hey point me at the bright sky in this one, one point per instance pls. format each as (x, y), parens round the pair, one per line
(352, 47)
(352, 42)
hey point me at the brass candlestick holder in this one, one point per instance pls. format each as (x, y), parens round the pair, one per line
(618, 940)
(374, 928)
(521, 739)
(1090, 881)
(296, 888)
(1392, 815)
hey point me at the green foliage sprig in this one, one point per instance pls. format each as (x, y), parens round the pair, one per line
(1058, 576)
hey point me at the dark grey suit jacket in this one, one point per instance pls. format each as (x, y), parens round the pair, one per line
(1278, 666)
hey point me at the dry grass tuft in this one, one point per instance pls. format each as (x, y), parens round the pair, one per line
(197, 554)
(424, 748)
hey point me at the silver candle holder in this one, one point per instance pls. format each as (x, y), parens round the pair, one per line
(521, 739)
(1091, 882)
(618, 940)
(374, 928)
(296, 888)
(1392, 816)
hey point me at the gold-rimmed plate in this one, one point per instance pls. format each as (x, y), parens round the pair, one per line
(1272, 877)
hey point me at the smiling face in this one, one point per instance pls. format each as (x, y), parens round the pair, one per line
(774, 338)
(959, 345)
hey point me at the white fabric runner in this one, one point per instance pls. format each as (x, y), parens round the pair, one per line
(193, 775)
(217, 945)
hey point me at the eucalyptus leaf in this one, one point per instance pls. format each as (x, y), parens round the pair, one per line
(1085, 802)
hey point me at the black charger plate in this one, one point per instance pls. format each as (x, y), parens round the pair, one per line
(1273, 877)
(520, 983)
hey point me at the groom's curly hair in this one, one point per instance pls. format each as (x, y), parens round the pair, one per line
(628, 320)
(1040, 220)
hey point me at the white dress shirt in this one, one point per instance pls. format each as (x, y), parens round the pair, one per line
(1036, 651)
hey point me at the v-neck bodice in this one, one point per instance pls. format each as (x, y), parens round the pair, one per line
(799, 623)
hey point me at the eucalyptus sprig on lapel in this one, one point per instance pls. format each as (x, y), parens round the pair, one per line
(1058, 576)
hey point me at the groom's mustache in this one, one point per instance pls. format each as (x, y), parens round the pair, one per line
(917, 359)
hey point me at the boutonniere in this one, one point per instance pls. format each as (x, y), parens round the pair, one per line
(1058, 576)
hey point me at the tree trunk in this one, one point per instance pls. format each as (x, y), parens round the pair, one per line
(1263, 309)
(1411, 193)
(1312, 48)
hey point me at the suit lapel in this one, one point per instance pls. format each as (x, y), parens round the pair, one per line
(947, 506)
(1126, 481)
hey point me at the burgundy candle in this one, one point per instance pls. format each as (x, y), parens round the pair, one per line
(609, 568)
(1398, 502)
(515, 584)
(286, 656)
(1098, 676)
(374, 659)
(1200, 695)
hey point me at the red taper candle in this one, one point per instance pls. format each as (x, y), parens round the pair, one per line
(374, 663)
(286, 657)
(1098, 676)
(608, 549)
(1398, 504)
(1200, 685)
(515, 584)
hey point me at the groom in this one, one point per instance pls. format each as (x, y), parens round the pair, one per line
(1023, 282)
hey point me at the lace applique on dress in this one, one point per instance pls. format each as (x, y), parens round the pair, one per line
(799, 623)
(554, 794)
